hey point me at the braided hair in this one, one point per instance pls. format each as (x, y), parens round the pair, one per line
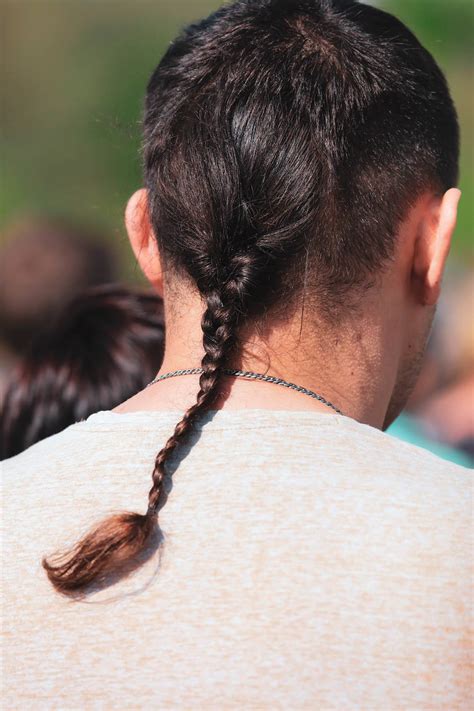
(284, 141)
(218, 326)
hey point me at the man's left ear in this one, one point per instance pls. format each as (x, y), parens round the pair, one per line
(433, 244)
(143, 240)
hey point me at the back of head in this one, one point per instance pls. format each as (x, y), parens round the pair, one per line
(284, 142)
(283, 130)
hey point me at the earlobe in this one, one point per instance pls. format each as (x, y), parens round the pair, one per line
(143, 240)
(434, 245)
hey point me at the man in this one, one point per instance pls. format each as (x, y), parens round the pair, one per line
(299, 203)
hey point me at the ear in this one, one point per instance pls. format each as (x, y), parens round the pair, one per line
(143, 240)
(432, 245)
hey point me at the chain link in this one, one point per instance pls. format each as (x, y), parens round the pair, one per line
(249, 375)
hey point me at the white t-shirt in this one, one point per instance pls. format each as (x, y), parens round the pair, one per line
(308, 562)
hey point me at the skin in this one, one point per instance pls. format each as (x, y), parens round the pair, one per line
(367, 367)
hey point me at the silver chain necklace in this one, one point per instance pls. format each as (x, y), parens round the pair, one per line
(251, 376)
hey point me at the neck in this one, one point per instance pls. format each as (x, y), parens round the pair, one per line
(346, 367)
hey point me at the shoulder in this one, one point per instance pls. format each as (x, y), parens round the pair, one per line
(387, 449)
(46, 452)
(338, 439)
(343, 443)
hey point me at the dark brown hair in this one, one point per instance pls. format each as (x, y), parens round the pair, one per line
(106, 345)
(284, 141)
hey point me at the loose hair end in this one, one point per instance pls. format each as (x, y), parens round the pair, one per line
(112, 546)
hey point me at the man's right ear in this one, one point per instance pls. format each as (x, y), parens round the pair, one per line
(142, 239)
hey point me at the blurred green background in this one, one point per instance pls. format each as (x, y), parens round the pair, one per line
(73, 79)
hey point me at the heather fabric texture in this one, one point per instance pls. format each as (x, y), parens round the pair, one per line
(308, 562)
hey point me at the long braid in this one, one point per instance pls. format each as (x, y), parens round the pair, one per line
(113, 545)
(217, 324)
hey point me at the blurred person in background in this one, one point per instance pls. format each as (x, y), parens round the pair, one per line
(107, 345)
(439, 414)
(299, 202)
(44, 263)
(447, 412)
